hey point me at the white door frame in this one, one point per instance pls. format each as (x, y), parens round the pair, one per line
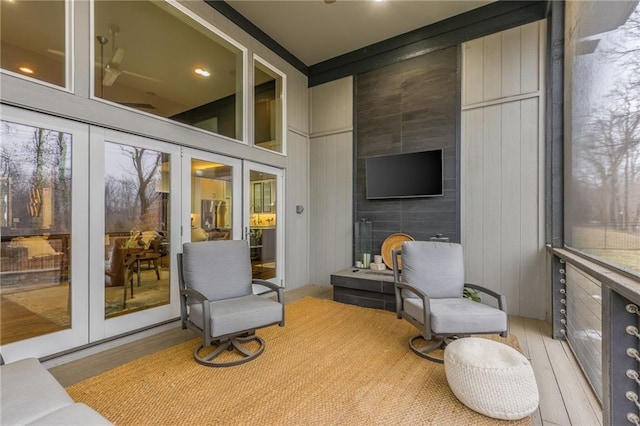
(247, 166)
(77, 335)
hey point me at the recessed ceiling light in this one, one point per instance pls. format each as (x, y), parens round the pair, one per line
(26, 70)
(202, 72)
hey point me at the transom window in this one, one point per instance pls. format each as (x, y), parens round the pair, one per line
(269, 89)
(33, 40)
(151, 56)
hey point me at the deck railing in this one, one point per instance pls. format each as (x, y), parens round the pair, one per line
(583, 323)
(618, 383)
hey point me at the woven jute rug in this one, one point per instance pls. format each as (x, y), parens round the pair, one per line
(332, 364)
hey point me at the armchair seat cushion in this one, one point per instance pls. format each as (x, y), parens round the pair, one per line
(230, 316)
(458, 316)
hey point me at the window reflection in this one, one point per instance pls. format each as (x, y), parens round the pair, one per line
(603, 131)
(32, 39)
(212, 201)
(263, 224)
(268, 114)
(137, 229)
(167, 64)
(35, 220)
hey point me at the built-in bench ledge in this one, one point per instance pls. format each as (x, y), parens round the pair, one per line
(364, 287)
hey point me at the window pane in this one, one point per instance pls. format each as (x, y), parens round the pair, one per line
(168, 65)
(137, 221)
(267, 108)
(35, 220)
(603, 131)
(263, 224)
(212, 201)
(32, 39)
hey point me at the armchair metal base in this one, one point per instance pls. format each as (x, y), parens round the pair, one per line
(236, 344)
(432, 345)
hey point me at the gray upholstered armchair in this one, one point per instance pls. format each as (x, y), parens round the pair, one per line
(217, 301)
(429, 294)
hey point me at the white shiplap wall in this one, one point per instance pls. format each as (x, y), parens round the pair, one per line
(331, 179)
(502, 166)
(297, 224)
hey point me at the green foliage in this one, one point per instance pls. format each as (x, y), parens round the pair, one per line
(471, 294)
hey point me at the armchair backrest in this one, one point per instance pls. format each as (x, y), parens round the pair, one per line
(437, 268)
(218, 269)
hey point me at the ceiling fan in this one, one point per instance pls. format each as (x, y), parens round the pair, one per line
(111, 70)
(138, 105)
(141, 105)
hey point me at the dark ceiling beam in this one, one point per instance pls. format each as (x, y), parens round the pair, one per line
(489, 19)
(234, 16)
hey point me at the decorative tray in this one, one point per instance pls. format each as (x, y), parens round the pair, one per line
(392, 242)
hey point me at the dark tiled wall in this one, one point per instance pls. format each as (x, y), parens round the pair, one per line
(407, 107)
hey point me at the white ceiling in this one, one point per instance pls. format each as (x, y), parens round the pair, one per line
(315, 31)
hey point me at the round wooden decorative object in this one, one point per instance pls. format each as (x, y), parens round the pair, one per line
(392, 242)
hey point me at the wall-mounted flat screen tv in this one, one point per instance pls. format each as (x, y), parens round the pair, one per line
(415, 174)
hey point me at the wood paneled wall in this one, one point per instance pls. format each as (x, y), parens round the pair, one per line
(495, 208)
(502, 169)
(296, 224)
(408, 107)
(331, 179)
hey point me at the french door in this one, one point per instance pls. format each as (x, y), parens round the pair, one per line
(135, 232)
(264, 221)
(91, 221)
(44, 228)
(211, 200)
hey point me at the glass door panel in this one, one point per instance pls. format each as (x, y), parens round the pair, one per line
(136, 188)
(213, 210)
(43, 192)
(135, 284)
(263, 216)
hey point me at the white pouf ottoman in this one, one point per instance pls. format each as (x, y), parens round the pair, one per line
(491, 378)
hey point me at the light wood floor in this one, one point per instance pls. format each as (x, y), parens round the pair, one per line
(565, 396)
(18, 323)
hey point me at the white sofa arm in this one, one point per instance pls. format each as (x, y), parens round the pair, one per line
(29, 394)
